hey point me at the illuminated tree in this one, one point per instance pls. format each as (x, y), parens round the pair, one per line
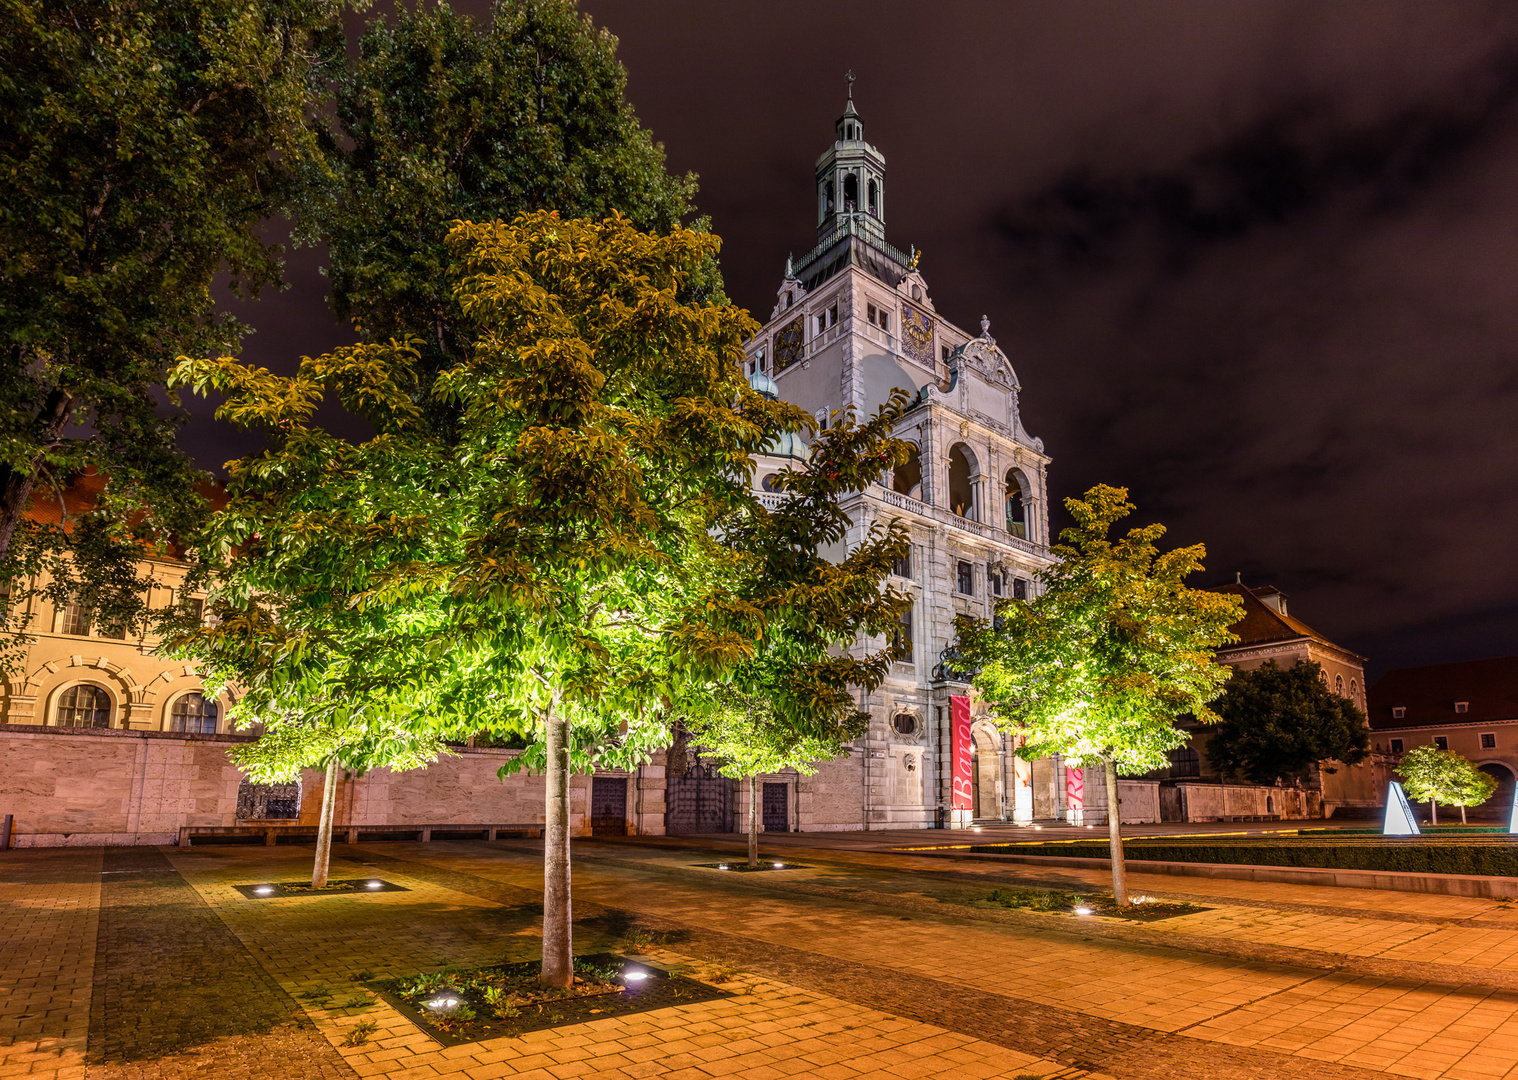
(1442, 776)
(1114, 648)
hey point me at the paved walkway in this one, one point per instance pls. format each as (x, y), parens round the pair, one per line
(869, 962)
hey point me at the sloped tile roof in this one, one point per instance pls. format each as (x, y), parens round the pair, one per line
(1429, 693)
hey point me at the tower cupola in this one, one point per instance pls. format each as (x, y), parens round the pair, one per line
(851, 180)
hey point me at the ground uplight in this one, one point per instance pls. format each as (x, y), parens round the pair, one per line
(376, 885)
(1083, 911)
(264, 890)
(634, 976)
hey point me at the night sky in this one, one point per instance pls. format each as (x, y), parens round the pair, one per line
(1256, 262)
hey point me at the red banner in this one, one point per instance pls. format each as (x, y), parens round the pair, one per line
(963, 747)
(1075, 788)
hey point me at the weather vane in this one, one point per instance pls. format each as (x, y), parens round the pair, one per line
(850, 77)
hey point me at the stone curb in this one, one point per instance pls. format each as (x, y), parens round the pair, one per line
(1491, 888)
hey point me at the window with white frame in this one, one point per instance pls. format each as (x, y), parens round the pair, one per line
(1399, 711)
(194, 713)
(85, 705)
(74, 619)
(1462, 706)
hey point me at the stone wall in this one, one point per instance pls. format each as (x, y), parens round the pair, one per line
(1225, 802)
(97, 786)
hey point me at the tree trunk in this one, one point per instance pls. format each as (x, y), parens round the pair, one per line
(1433, 812)
(558, 943)
(753, 824)
(1462, 814)
(1115, 835)
(324, 830)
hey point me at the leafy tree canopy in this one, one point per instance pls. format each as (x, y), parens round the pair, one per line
(1114, 648)
(444, 118)
(1281, 723)
(1443, 776)
(141, 144)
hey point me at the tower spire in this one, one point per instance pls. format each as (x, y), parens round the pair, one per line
(849, 77)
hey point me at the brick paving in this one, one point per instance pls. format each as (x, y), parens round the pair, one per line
(148, 963)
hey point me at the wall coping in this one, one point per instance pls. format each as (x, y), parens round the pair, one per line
(54, 731)
(51, 730)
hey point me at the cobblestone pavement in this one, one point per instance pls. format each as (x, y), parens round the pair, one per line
(148, 963)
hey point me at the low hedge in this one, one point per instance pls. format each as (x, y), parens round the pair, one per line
(1487, 859)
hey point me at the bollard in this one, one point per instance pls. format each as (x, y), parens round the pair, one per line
(5, 832)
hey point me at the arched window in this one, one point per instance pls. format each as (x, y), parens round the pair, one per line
(771, 482)
(1339, 685)
(961, 482)
(1185, 762)
(850, 193)
(1354, 691)
(827, 198)
(85, 705)
(1015, 497)
(193, 713)
(874, 205)
(906, 478)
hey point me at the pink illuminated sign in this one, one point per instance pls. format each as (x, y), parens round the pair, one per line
(963, 747)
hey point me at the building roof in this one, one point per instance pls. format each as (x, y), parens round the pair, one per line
(50, 507)
(1263, 624)
(1428, 694)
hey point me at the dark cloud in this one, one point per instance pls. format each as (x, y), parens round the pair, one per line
(1257, 262)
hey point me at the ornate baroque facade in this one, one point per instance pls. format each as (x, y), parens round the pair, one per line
(853, 321)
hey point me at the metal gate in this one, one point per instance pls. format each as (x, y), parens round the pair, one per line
(698, 801)
(608, 806)
(777, 816)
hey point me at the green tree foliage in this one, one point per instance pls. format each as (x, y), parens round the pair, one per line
(445, 118)
(558, 542)
(1439, 776)
(1114, 648)
(1280, 724)
(309, 522)
(141, 144)
(792, 704)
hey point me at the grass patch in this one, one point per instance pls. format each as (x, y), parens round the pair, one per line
(1141, 908)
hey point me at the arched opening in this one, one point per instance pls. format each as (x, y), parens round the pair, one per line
(1500, 805)
(1015, 500)
(985, 765)
(1184, 762)
(906, 478)
(962, 482)
(874, 204)
(850, 193)
(827, 198)
(1339, 685)
(1354, 692)
(194, 714)
(85, 705)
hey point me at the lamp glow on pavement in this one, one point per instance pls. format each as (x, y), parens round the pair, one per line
(779, 866)
(977, 828)
(723, 866)
(376, 885)
(1083, 911)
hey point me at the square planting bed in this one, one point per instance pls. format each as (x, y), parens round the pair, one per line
(357, 886)
(506, 1000)
(741, 866)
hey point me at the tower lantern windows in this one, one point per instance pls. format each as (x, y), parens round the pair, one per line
(850, 193)
(874, 204)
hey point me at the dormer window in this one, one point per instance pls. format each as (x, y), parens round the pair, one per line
(1399, 712)
(1462, 706)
